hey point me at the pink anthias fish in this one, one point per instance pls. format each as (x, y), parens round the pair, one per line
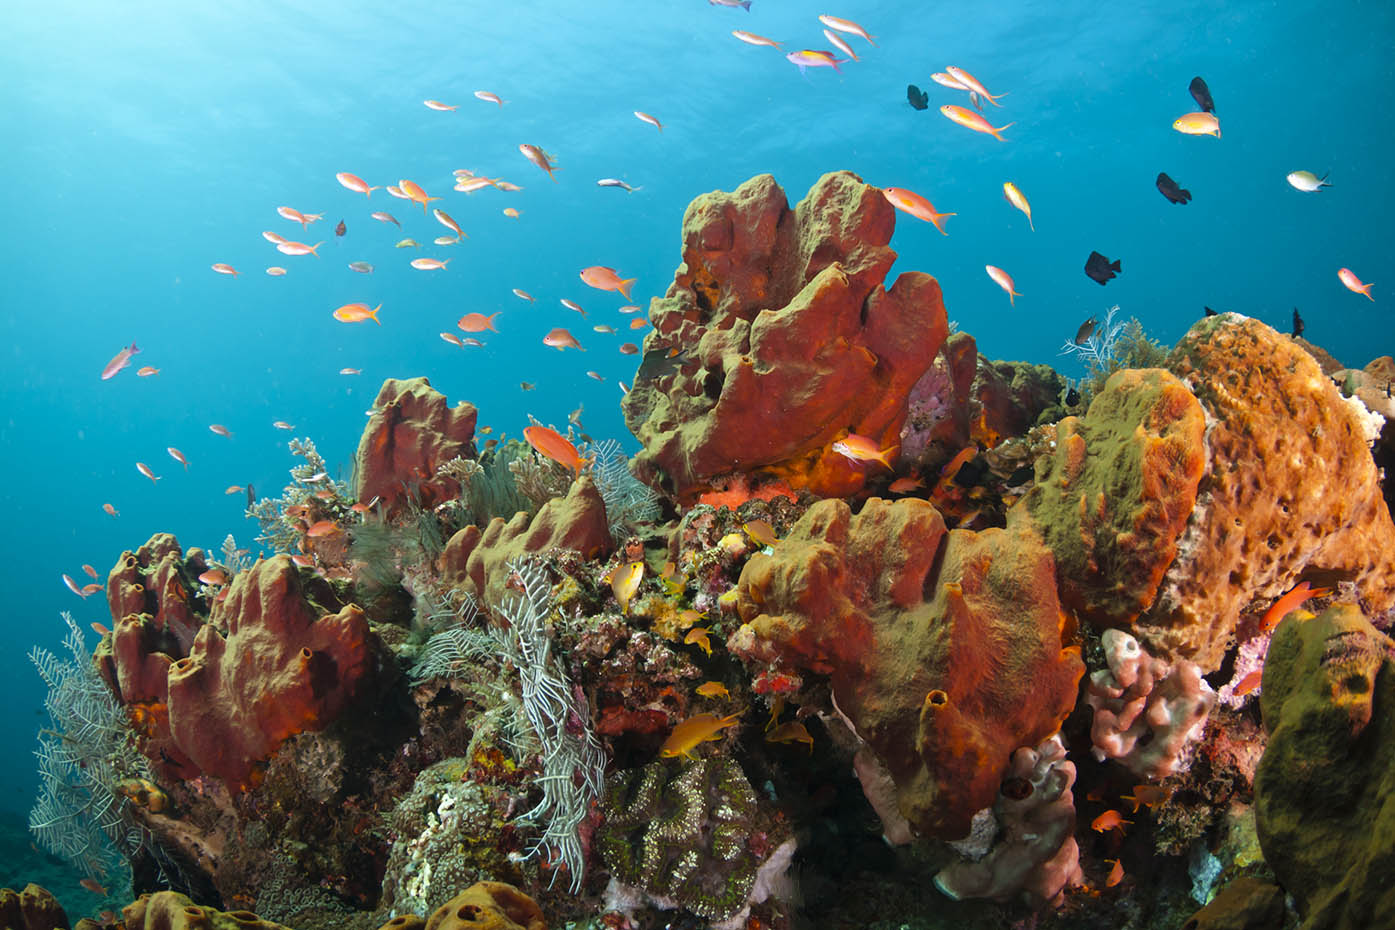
(971, 120)
(119, 361)
(815, 58)
(560, 339)
(607, 279)
(537, 156)
(916, 205)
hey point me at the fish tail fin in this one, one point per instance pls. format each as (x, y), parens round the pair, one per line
(993, 99)
(624, 286)
(1000, 129)
(374, 314)
(1030, 224)
(939, 220)
(746, 5)
(1117, 264)
(316, 246)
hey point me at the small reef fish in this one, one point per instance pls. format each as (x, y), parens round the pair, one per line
(322, 528)
(361, 267)
(713, 689)
(111, 511)
(862, 449)
(282, 424)
(1003, 280)
(1169, 189)
(524, 295)
(906, 485)
(90, 589)
(354, 183)
(744, 4)
(1307, 182)
(415, 193)
(351, 371)
(357, 313)
(144, 469)
(791, 731)
(101, 629)
(408, 243)
(220, 429)
(178, 456)
(438, 105)
(429, 264)
(917, 98)
(1019, 200)
(526, 385)
(1247, 684)
(607, 279)
(1198, 124)
(276, 271)
(971, 120)
(629, 348)
(295, 216)
(917, 206)
(750, 38)
(616, 182)
(298, 248)
(846, 26)
(1086, 330)
(1202, 95)
(1353, 283)
(340, 229)
(1289, 603)
(512, 213)
(761, 531)
(214, 576)
(974, 85)
(815, 58)
(838, 42)
(646, 118)
(630, 308)
(452, 338)
(944, 80)
(73, 587)
(1149, 795)
(119, 361)
(477, 322)
(89, 570)
(92, 885)
(384, 217)
(961, 458)
(572, 305)
(224, 268)
(273, 238)
(555, 446)
(604, 328)
(488, 97)
(543, 160)
(469, 341)
(624, 582)
(1109, 820)
(560, 339)
(699, 636)
(445, 220)
(1116, 874)
(700, 728)
(303, 561)
(595, 375)
(1297, 324)
(233, 489)
(1101, 269)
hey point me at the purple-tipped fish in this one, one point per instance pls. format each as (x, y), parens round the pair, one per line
(120, 361)
(815, 58)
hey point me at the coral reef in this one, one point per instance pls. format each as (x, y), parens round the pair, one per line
(746, 388)
(482, 906)
(34, 908)
(1290, 490)
(944, 648)
(1244, 904)
(411, 433)
(170, 910)
(1326, 782)
(1147, 712)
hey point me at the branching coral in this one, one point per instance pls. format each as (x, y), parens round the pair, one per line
(628, 501)
(281, 531)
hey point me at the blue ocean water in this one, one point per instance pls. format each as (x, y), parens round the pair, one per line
(146, 141)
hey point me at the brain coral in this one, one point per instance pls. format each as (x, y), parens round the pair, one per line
(944, 647)
(1290, 488)
(777, 336)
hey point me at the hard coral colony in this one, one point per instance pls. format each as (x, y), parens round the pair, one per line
(528, 683)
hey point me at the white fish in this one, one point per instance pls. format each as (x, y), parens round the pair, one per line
(1307, 182)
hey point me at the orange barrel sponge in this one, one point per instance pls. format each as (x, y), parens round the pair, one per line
(944, 647)
(412, 432)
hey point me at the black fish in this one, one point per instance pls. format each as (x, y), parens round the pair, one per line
(340, 229)
(1100, 268)
(1086, 330)
(1297, 324)
(1202, 95)
(1169, 189)
(918, 98)
(1209, 311)
(1072, 397)
(251, 494)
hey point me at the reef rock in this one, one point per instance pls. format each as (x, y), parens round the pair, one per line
(34, 908)
(777, 337)
(482, 906)
(1246, 903)
(157, 580)
(1325, 788)
(411, 433)
(170, 910)
(1114, 497)
(286, 664)
(944, 647)
(1290, 490)
(477, 559)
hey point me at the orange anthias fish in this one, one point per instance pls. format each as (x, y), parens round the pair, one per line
(91, 572)
(488, 97)
(1116, 874)
(847, 26)
(438, 105)
(750, 38)
(761, 531)
(477, 322)
(1109, 820)
(119, 361)
(916, 205)
(862, 449)
(713, 689)
(214, 576)
(144, 469)
(220, 429)
(1353, 283)
(415, 194)
(383, 217)
(1003, 280)
(624, 579)
(73, 586)
(453, 339)
(1200, 123)
(971, 120)
(322, 528)
(698, 636)
(111, 511)
(429, 264)
(1149, 795)
(355, 183)
(791, 731)
(607, 279)
(700, 728)
(555, 446)
(560, 339)
(298, 248)
(627, 348)
(524, 295)
(178, 456)
(224, 268)
(840, 44)
(357, 313)
(1289, 603)
(973, 84)
(543, 160)
(645, 117)
(1018, 200)
(445, 220)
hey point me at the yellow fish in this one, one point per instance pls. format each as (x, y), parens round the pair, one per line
(761, 531)
(701, 728)
(1198, 124)
(697, 636)
(790, 732)
(407, 244)
(1018, 200)
(713, 689)
(624, 582)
